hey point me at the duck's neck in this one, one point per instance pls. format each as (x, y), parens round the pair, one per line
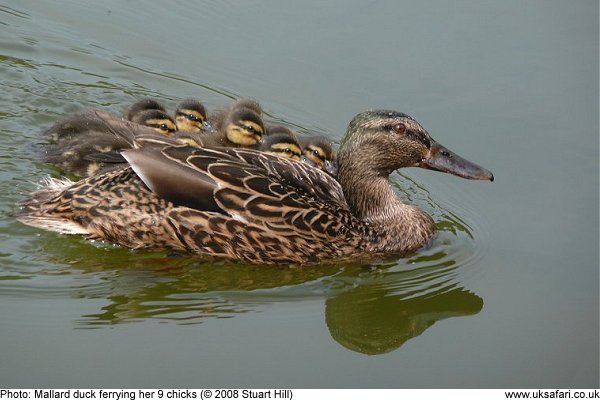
(397, 227)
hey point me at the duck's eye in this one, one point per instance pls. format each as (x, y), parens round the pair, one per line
(288, 150)
(316, 153)
(164, 127)
(191, 117)
(399, 128)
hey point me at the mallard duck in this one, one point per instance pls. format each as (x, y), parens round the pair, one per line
(318, 150)
(142, 105)
(239, 125)
(190, 116)
(242, 204)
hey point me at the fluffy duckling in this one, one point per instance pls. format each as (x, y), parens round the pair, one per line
(218, 117)
(283, 145)
(239, 125)
(82, 144)
(274, 129)
(190, 116)
(158, 120)
(142, 105)
(317, 150)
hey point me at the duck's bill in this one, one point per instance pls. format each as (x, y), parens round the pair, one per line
(443, 160)
(308, 161)
(207, 126)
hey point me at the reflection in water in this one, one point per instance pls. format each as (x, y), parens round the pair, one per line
(188, 292)
(371, 310)
(371, 322)
(367, 311)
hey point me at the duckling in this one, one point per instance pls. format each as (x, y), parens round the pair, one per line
(245, 205)
(143, 105)
(274, 129)
(158, 120)
(83, 144)
(237, 126)
(247, 103)
(318, 150)
(190, 116)
(218, 117)
(282, 145)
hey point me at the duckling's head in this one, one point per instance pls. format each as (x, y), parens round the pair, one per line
(379, 142)
(189, 138)
(244, 127)
(190, 116)
(318, 150)
(142, 105)
(282, 145)
(158, 120)
(276, 129)
(248, 104)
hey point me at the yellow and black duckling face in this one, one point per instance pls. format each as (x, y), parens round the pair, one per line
(190, 116)
(142, 105)
(158, 120)
(318, 151)
(244, 127)
(282, 145)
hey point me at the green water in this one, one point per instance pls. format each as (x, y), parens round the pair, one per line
(506, 296)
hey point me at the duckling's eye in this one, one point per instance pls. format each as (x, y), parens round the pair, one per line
(316, 153)
(288, 150)
(164, 126)
(399, 129)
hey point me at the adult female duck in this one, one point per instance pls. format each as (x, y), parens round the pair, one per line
(241, 204)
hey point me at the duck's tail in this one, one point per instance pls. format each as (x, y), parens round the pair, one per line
(42, 209)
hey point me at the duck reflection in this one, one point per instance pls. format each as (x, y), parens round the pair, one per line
(191, 292)
(369, 322)
(368, 309)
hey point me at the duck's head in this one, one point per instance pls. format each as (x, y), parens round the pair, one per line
(318, 151)
(158, 120)
(143, 105)
(244, 127)
(379, 142)
(282, 144)
(190, 116)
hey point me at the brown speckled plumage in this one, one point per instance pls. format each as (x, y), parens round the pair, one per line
(242, 204)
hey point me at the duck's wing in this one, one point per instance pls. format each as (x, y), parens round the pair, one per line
(246, 185)
(300, 176)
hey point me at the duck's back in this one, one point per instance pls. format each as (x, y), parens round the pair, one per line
(257, 214)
